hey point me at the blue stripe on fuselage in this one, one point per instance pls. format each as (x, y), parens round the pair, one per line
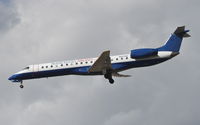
(84, 70)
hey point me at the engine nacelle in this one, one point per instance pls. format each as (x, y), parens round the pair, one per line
(143, 53)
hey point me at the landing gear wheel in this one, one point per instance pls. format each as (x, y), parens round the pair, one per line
(21, 86)
(111, 81)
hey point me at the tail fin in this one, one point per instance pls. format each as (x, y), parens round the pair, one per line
(174, 42)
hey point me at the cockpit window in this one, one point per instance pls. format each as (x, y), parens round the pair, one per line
(26, 68)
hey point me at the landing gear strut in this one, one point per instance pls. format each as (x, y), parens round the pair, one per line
(21, 85)
(106, 76)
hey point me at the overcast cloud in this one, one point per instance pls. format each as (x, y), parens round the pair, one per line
(38, 31)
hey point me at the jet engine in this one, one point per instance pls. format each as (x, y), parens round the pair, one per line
(143, 53)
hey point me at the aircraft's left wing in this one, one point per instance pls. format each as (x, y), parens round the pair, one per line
(116, 74)
(102, 63)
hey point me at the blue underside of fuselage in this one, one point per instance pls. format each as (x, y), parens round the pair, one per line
(84, 70)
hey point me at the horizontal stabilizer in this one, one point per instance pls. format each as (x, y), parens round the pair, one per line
(186, 35)
(181, 32)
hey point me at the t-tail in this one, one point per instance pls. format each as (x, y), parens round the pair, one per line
(174, 42)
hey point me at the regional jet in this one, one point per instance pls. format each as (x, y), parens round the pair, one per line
(106, 65)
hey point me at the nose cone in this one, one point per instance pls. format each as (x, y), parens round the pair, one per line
(13, 78)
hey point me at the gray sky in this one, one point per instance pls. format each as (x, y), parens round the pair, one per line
(38, 31)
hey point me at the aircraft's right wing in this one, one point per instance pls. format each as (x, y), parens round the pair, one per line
(102, 63)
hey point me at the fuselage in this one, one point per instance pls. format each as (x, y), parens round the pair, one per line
(81, 66)
(105, 64)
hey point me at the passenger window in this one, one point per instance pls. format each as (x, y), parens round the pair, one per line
(76, 63)
(42, 67)
(86, 62)
(46, 66)
(116, 58)
(121, 58)
(91, 61)
(81, 62)
(126, 57)
(61, 65)
(51, 66)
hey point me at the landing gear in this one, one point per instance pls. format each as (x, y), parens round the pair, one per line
(21, 85)
(111, 81)
(108, 75)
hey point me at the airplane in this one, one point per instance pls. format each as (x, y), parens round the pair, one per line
(106, 65)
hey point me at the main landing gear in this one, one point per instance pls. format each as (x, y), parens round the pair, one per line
(21, 85)
(109, 77)
(111, 81)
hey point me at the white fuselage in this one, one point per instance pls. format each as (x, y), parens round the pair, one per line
(81, 66)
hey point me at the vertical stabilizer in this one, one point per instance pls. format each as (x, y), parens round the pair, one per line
(174, 42)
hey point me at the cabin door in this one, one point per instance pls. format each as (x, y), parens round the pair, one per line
(35, 68)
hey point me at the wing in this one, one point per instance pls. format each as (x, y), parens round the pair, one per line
(116, 74)
(102, 63)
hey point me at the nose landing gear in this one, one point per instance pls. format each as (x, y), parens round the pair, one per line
(21, 85)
